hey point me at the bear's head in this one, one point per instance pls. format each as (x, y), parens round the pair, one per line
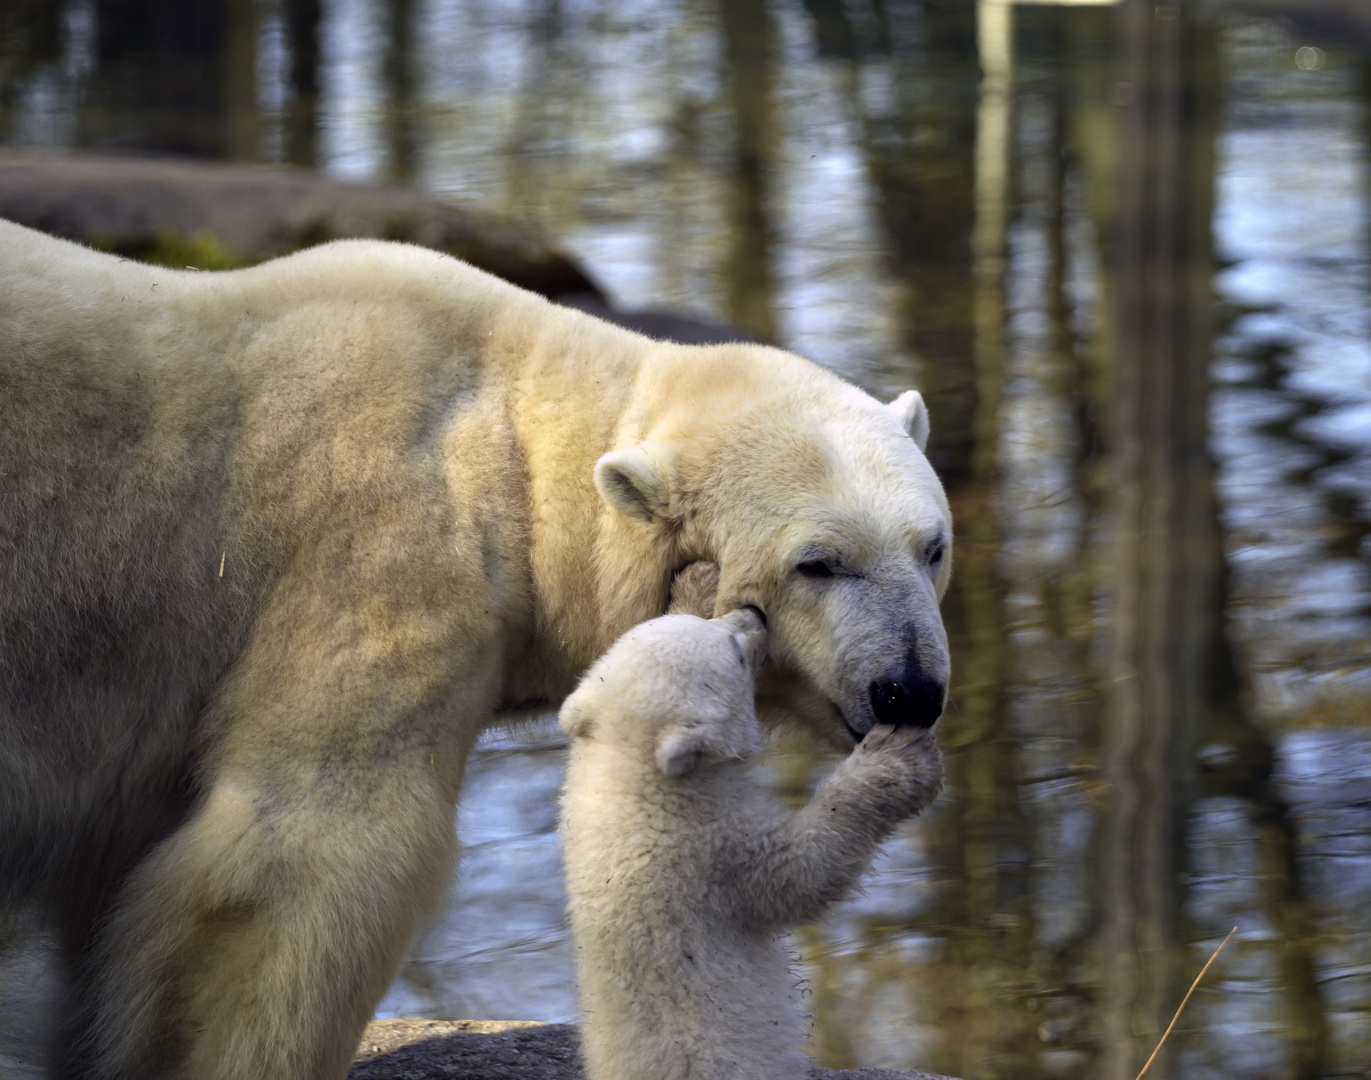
(821, 510)
(678, 690)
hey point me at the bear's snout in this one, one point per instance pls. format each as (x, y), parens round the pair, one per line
(910, 698)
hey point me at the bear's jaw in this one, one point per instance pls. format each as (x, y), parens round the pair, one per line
(783, 701)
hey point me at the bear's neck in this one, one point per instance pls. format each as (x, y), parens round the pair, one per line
(576, 395)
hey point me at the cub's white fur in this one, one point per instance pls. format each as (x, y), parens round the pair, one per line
(277, 544)
(683, 872)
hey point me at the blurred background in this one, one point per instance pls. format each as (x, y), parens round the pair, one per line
(1123, 251)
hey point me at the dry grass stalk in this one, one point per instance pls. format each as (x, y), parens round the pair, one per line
(1194, 984)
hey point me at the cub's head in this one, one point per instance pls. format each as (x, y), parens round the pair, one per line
(821, 511)
(678, 690)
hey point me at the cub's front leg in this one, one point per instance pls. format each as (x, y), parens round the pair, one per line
(816, 856)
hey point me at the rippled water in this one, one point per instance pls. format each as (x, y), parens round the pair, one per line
(1161, 612)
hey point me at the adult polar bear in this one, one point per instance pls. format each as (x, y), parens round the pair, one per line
(276, 545)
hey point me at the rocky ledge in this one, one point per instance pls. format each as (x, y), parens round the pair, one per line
(504, 1050)
(216, 216)
(176, 211)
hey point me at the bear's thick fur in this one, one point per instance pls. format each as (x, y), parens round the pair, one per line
(682, 870)
(277, 544)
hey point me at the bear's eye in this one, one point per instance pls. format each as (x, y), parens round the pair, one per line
(815, 568)
(934, 551)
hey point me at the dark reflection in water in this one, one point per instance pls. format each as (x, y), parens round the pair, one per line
(1123, 251)
(398, 69)
(1165, 565)
(300, 121)
(749, 45)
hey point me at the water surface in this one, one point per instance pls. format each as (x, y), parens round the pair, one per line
(1123, 253)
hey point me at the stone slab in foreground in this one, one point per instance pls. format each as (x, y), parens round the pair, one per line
(504, 1050)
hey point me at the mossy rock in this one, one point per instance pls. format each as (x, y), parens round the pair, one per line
(166, 247)
(220, 217)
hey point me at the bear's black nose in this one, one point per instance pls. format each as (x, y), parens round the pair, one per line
(916, 699)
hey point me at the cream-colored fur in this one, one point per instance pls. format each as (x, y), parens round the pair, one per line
(275, 546)
(683, 872)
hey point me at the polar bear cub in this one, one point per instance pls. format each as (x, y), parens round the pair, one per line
(683, 872)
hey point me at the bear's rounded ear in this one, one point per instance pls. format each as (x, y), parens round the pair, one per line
(634, 482)
(912, 413)
(680, 749)
(574, 718)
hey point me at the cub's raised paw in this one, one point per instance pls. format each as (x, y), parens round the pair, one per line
(887, 738)
(693, 590)
(909, 753)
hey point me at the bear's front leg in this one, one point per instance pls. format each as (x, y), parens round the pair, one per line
(814, 858)
(255, 942)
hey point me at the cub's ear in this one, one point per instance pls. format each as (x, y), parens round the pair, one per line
(912, 413)
(634, 481)
(681, 749)
(574, 718)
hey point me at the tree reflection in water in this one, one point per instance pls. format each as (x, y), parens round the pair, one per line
(1122, 251)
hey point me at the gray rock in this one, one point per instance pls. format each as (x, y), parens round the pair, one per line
(504, 1050)
(659, 324)
(213, 216)
(234, 215)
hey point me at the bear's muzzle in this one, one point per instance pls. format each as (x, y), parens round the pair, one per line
(910, 698)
